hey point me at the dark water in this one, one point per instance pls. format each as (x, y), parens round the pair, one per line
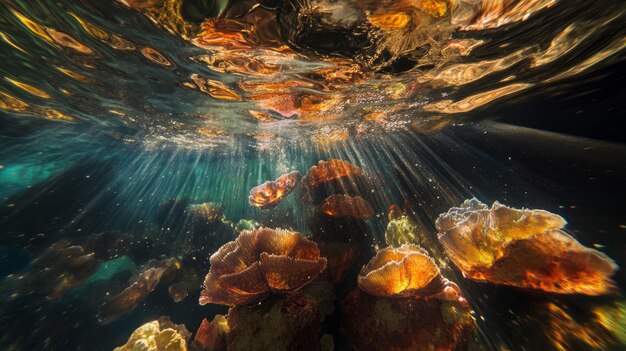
(117, 116)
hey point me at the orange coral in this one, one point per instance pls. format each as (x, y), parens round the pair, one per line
(271, 193)
(522, 248)
(347, 206)
(212, 335)
(406, 271)
(258, 262)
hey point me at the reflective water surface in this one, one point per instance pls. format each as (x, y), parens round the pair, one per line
(139, 138)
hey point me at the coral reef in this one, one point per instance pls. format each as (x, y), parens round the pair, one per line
(161, 335)
(347, 206)
(522, 248)
(271, 193)
(258, 262)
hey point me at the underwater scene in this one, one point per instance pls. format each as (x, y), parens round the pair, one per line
(212, 175)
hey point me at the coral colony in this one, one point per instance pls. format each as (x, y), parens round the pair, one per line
(282, 287)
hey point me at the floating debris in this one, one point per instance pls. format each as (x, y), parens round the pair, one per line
(522, 248)
(258, 262)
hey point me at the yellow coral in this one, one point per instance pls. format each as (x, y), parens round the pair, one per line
(400, 231)
(150, 337)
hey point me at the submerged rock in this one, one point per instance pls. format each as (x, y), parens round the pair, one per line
(288, 323)
(347, 206)
(258, 262)
(141, 285)
(375, 323)
(522, 248)
(56, 270)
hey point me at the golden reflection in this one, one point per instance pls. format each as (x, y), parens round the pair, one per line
(216, 89)
(403, 50)
(10, 103)
(166, 13)
(113, 40)
(51, 35)
(9, 41)
(211, 132)
(13, 104)
(72, 74)
(390, 20)
(32, 26)
(464, 73)
(29, 88)
(57, 115)
(485, 14)
(475, 101)
(155, 56)
(261, 116)
(328, 137)
(69, 42)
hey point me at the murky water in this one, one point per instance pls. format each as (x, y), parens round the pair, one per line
(137, 137)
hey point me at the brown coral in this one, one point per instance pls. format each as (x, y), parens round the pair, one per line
(347, 206)
(406, 271)
(258, 262)
(325, 173)
(271, 193)
(522, 248)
